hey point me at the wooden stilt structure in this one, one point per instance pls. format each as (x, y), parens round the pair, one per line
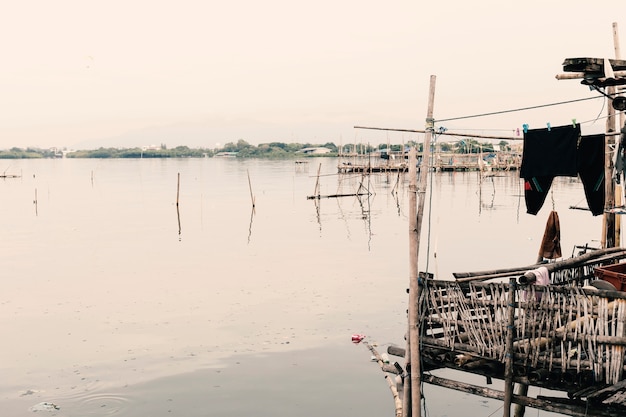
(565, 332)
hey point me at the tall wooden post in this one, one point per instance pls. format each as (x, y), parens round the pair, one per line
(413, 290)
(608, 234)
(609, 201)
(611, 224)
(618, 190)
(618, 56)
(415, 226)
(611, 233)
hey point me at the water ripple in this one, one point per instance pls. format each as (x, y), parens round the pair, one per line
(102, 404)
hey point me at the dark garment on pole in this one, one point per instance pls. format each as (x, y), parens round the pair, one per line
(551, 242)
(591, 171)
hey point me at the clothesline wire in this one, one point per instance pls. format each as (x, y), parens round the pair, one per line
(520, 109)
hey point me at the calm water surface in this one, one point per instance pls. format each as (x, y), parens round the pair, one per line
(117, 301)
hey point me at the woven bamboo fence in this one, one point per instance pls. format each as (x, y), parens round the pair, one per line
(560, 331)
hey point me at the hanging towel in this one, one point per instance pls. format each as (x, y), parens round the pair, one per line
(591, 171)
(551, 242)
(541, 276)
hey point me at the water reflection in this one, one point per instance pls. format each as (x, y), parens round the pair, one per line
(178, 218)
(366, 216)
(488, 204)
(133, 309)
(317, 212)
(250, 226)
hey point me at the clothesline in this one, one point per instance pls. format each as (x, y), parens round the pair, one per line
(467, 135)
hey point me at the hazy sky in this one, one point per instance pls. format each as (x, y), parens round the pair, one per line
(201, 73)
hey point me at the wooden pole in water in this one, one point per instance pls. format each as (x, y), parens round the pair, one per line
(177, 189)
(250, 185)
(415, 227)
(177, 209)
(413, 335)
(316, 192)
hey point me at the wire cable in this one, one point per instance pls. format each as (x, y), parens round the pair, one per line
(520, 109)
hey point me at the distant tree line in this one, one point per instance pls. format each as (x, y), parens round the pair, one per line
(19, 153)
(243, 149)
(177, 152)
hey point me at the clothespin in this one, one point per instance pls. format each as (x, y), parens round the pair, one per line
(525, 127)
(517, 132)
(549, 127)
(574, 122)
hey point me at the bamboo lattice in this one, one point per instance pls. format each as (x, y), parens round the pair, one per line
(566, 330)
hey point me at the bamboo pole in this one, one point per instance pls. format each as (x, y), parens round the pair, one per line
(177, 209)
(618, 56)
(250, 185)
(316, 191)
(560, 407)
(608, 254)
(415, 227)
(413, 336)
(396, 397)
(618, 190)
(608, 233)
(611, 222)
(508, 362)
(177, 189)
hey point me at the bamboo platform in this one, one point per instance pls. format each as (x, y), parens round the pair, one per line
(567, 336)
(366, 168)
(502, 161)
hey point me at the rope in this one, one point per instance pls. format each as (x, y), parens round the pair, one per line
(516, 110)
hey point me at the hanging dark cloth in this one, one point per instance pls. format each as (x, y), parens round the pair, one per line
(591, 171)
(550, 152)
(561, 151)
(551, 242)
(535, 193)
